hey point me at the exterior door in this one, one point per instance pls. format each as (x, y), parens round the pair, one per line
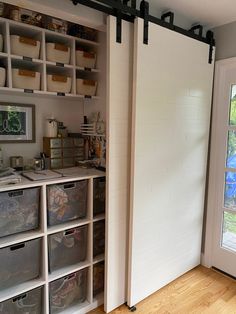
(224, 233)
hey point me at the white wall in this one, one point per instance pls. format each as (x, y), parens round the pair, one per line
(157, 9)
(70, 112)
(225, 41)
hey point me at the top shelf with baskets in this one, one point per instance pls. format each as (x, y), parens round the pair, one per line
(36, 60)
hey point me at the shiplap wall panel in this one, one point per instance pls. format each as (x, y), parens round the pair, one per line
(170, 130)
(119, 101)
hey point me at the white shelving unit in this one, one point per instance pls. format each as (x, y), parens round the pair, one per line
(9, 27)
(44, 231)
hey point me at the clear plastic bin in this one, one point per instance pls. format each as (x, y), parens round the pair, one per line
(99, 193)
(73, 244)
(67, 201)
(98, 238)
(19, 263)
(67, 291)
(98, 278)
(19, 211)
(26, 303)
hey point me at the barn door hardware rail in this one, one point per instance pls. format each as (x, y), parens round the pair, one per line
(198, 28)
(144, 11)
(126, 10)
(210, 37)
(169, 15)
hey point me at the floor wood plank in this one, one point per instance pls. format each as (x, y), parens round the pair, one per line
(200, 291)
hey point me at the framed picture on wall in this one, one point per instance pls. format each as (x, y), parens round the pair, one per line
(17, 123)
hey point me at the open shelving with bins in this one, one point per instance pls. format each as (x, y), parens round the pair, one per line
(44, 231)
(9, 60)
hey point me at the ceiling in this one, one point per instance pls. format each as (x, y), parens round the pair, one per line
(210, 13)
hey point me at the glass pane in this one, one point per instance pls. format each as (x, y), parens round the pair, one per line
(232, 117)
(230, 190)
(231, 150)
(229, 231)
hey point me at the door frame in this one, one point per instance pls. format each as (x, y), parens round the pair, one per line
(212, 196)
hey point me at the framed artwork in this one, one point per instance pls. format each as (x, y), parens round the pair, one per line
(17, 123)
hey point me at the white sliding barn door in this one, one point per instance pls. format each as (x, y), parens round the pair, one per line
(119, 102)
(171, 117)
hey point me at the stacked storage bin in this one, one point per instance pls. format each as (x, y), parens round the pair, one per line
(87, 60)
(29, 302)
(67, 202)
(61, 55)
(98, 278)
(20, 262)
(25, 76)
(98, 238)
(99, 193)
(69, 290)
(73, 244)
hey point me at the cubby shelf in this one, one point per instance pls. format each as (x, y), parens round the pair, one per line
(99, 217)
(99, 258)
(20, 237)
(68, 225)
(98, 297)
(19, 289)
(42, 65)
(45, 231)
(67, 270)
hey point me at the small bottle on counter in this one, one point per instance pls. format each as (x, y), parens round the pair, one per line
(1, 158)
(86, 149)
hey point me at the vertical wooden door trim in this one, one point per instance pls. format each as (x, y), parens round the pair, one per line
(119, 95)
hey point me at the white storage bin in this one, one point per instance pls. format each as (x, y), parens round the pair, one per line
(25, 79)
(86, 87)
(59, 83)
(85, 59)
(58, 53)
(1, 43)
(25, 46)
(2, 77)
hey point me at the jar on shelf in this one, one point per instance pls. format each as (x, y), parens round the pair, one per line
(15, 14)
(1, 9)
(51, 127)
(62, 130)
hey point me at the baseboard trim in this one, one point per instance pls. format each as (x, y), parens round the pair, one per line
(223, 272)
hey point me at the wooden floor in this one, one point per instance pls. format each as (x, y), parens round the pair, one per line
(200, 291)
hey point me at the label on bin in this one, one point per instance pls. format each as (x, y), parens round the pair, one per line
(29, 91)
(59, 64)
(27, 58)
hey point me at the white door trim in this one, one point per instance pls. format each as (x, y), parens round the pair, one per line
(213, 188)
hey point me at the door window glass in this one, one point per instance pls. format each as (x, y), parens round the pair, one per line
(229, 231)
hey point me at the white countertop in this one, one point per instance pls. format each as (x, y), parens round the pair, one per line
(69, 174)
